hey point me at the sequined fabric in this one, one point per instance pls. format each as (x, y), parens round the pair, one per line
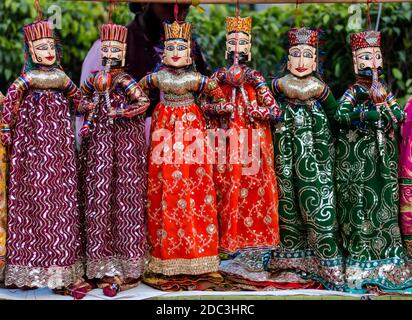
(40, 79)
(43, 240)
(238, 274)
(310, 265)
(181, 210)
(38, 277)
(177, 82)
(247, 203)
(114, 182)
(304, 157)
(116, 266)
(390, 273)
(301, 89)
(368, 195)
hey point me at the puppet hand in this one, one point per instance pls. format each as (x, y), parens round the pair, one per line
(275, 115)
(6, 138)
(85, 131)
(225, 108)
(86, 106)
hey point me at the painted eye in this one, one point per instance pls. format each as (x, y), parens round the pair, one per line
(52, 47)
(232, 42)
(181, 47)
(170, 48)
(308, 55)
(295, 54)
(366, 57)
(378, 56)
(42, 47)
(115, 50)
(243, 42)
(105, 49)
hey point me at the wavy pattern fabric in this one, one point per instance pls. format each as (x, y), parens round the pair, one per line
(43, 243)
(114, 183)
(3, 210)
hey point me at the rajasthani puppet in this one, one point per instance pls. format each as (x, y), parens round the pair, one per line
(247, 196)
(3, 204)
(405, 175)
(182, 218)
(367, 174)
(114, 169)
(304, 155)
(43, 240)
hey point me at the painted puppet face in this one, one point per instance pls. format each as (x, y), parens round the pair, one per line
(367, 59)
(43, 51)
(177, 53)
(240, 43)
(113, 51)
(302, 60)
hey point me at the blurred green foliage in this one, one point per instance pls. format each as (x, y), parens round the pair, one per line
(81, 21)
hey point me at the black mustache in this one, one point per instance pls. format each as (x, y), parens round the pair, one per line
(113, 62)
(242, 57)
(369, 72)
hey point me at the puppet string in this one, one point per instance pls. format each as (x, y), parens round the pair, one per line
(112, 5)
(38, 9)
(368, 14)
(176, 11)
(379, 16)
(297, 13)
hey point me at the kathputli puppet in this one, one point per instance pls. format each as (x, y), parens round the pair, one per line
(114, 160)
(304, 154)
(44, 236)
(247, 194)
(181, 216)
(3, 203)
(367, 173)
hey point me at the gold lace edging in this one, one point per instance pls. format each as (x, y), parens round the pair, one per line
(311, 265)
(51, 277)
(116, 266)
(387, 275)
(2, 271)
(193, 266)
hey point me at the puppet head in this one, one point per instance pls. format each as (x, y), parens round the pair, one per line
(238, 38)
(178, 40)
(40, 42)
(113, 49)
(366, 52)
(302, 55)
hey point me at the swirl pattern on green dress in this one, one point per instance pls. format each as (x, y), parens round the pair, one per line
(304, 154)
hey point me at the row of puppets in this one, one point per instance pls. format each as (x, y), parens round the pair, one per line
(320, 211)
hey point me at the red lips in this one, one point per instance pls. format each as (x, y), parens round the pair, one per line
(301, 69)
(175, 59)
(50, 58)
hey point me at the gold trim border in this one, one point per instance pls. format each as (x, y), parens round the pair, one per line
(195, 266)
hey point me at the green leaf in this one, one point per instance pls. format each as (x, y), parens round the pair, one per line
(397, 73)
